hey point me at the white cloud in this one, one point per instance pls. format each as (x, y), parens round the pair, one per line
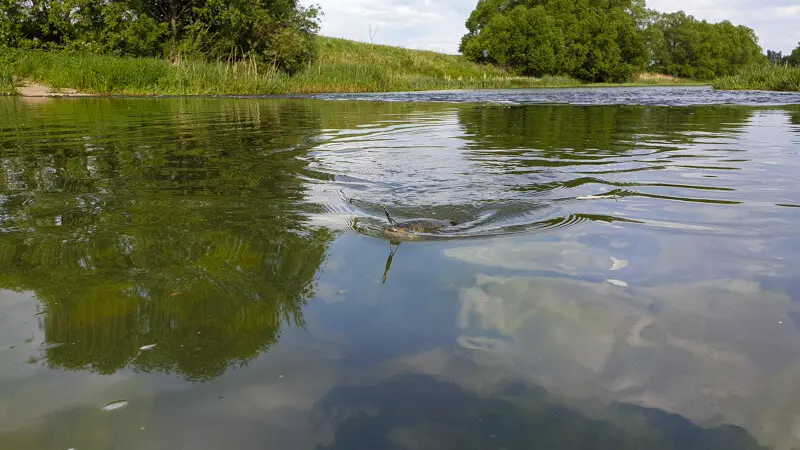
(439, 24)
(792, 10)
(425, 24)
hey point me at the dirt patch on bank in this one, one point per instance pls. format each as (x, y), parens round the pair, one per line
(27, 88)
(656, 77)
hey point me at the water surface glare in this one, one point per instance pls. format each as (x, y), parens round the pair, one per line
(185, 273)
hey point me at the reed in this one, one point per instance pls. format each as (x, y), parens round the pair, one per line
(767, 77)
(6, 83)
(98, 74)
(6, 73)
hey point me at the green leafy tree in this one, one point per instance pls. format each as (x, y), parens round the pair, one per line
(793, 59)
(606, 40)
(593, 41)
(11, 21)
(280, 34)
(680, 45)
(513, 43)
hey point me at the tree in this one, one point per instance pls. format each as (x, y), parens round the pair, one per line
(605, 40)
(774, 57)
(590, 40)
(793, 59)
(11, 19)
(680, 45)
(510, 41)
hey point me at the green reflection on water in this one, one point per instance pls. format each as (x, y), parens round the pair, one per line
(167, 231)
(591, 132)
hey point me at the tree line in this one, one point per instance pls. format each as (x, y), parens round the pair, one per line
(279, 33)
(592, 40)
(604, 40)
(792, 59)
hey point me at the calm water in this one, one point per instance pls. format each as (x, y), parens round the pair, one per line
(622, 276)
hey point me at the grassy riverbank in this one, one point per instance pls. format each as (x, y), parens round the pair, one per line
(342, 66)
(766, 78)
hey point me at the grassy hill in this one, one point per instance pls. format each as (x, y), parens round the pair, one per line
(350, 66)
(341, 66)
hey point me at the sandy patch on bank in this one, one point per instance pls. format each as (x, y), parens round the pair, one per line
(27, 88)
(656, 77)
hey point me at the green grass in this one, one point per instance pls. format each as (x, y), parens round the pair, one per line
(349, 66)
(6, 82)
(6, 74)
(763, 78)
(341, 66)
(141, 76)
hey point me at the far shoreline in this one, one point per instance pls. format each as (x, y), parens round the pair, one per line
(33, 89)
(342, 67)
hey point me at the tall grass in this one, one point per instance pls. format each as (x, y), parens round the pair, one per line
(768, 77)
(6, 82)
(6, 72)
(149, 76)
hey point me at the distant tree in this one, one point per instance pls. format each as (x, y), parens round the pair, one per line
(589, 40)
(794, 58)
(774, 57)
(681, 45)
(604, 40)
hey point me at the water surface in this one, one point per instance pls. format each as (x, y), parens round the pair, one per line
(212, 273)
(654, 96)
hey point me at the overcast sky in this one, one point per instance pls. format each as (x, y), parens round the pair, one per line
(439, 24)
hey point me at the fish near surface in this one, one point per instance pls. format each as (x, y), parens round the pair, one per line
(407, 228)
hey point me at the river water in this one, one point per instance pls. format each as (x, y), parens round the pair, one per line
(192, 273)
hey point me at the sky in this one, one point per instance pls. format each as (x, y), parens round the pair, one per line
(439, 24)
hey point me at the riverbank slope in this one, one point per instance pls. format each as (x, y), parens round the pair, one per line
(342, 66)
